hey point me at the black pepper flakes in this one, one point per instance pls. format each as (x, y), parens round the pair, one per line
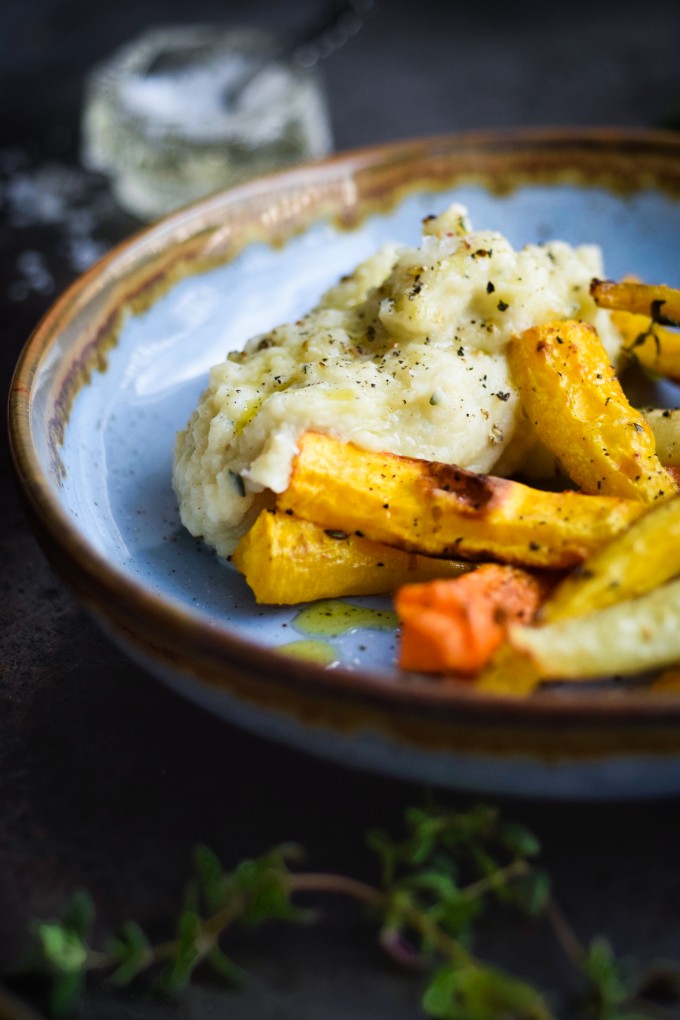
(239, 484)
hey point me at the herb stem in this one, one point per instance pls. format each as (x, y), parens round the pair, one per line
(219, 921)
(418, 920)
(342, 884)
(483, 885)
(564, 933)
(449, 948)
(210, 930)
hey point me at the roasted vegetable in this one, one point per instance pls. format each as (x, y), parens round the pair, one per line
(659, 302)
(455, 625)
(655, 348)
(540, 465)
(575, 402)
(626, 638)
(667, 682)
(643, 557)
(665, 424)
(286, 560)
(510, 673)
(441, 510)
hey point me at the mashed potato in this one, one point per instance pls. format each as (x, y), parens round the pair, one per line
(406, 354)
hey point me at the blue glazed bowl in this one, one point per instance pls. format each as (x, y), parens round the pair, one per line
(115, 368)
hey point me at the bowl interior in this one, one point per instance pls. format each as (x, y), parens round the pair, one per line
(104, 464)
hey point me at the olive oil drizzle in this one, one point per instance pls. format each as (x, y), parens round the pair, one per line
(321, 652)
(332, 618)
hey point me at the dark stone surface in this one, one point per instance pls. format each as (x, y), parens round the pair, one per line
(107, 780)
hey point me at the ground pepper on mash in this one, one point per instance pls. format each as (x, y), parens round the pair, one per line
(406, 355)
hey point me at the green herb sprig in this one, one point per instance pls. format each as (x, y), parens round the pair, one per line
(448, 872)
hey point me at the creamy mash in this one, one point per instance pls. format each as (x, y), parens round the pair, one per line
(406, 354)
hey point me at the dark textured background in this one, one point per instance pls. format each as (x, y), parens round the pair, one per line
(106, 779)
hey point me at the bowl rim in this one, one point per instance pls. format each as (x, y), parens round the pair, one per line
(111, 591)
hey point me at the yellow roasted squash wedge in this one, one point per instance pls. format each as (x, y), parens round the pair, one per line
(575, 402)
(657, 301)
(286, 560)
(442, 510)
(643, 557)
(655, 348)
(510, 673)
(541, 465)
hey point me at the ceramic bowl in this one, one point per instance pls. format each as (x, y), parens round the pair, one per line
(117, 365)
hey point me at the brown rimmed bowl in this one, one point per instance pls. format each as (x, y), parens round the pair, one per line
(116, 366)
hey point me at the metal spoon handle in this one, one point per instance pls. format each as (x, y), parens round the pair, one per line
(340, 23)
(316, 42)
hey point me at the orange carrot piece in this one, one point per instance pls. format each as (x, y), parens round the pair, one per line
(454, 625)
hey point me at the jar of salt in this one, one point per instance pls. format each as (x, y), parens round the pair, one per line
(184, 111)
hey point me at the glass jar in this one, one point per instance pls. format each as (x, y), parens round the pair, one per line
(185, 110)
